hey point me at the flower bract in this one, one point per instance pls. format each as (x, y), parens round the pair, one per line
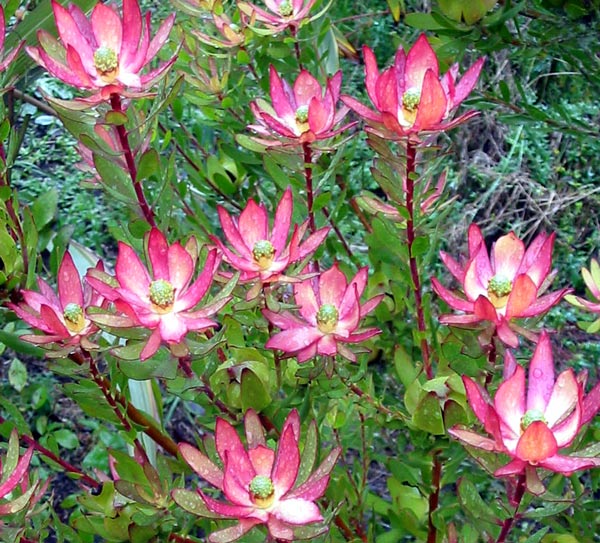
(301, 113)
(105, 53)
(505, 285)
(262, 253)
(411, 97)
(261, 485)
(532, 427)
(165, 299)
(330, 315)
(63, 317)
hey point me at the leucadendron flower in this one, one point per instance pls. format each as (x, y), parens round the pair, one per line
(532, 427)
(411, 98)
(506, 285)
(105, 53)
(62, 318)
(261, 485)
(262, 253)
(302, 113)
(163, 300)
(330, 315)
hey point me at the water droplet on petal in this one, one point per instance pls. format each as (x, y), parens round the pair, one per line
(538, 373)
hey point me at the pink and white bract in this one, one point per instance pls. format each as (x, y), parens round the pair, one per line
(303, 113)
(532, 428)
(502, 286)
(62, 317)
(106, 53)
(262, 253)
(410, 97)
(281, 14)
(330, 315)
(162, 301)
(260, 484)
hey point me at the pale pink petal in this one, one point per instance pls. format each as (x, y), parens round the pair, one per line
(287, 462)
(293, 340)
(564, 399)
(228, 444)
(473, 439)
(280, 96)
(569, 464)
(306, 299)
(233, 532)
(132, 23)
(541, 375)
(253, 224)
(181, 267)
(131, 273)
(107, 26)
(419, 59)
(282, 221)
(158, 249)
(152, 345)
(233, 488)
(509, 401)
(467, 82)
(432, 105)
(305, 88)
(69, 283)
(523, 294)
(262, 459)
(516, 466)
(232, 233)
(537, 443)
(507, 254)
(297, 511)
(332, 286)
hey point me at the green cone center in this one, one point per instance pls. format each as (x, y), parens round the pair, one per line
(530, 416)
(327, 318)
(302, 114)
(162, 293)
(499, 288)
(262, 491)
(74, 318)
(411, 99)
(105, 60)
(286, 8)
(263, 253)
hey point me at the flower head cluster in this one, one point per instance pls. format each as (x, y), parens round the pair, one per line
(63, 318)
(330, 315)
(501, 286)
(261, 485)
(262, 253)
(106, 53)
(302, 113)
(281, 14)
(410, 97)
(532, 427)
(163, 300)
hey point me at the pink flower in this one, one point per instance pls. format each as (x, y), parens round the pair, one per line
(62, 318)
(282, 14)
(261, 485)
(303, 113)
(162, 301)
(260, 253)
(7, 60)
(410, 97)
(503, 286)
(104, 54)
(531, 428)
(330, 311)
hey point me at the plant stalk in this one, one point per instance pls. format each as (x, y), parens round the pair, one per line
(307, 152)
(508, 523)
(411, 166)
(117, 106)
(434, 496)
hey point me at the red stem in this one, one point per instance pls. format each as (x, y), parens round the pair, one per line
(70, 468)
(508, 523)
(411, 163)
(434, 497)
(115, 102)
(307, 151)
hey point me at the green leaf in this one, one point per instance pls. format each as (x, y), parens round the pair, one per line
(428, 415)
(471, 501)
(149, 165)
(17, 375)
(66, 438)
(44, 208)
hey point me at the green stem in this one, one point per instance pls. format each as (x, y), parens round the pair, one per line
(411, 166)
(115, 102)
